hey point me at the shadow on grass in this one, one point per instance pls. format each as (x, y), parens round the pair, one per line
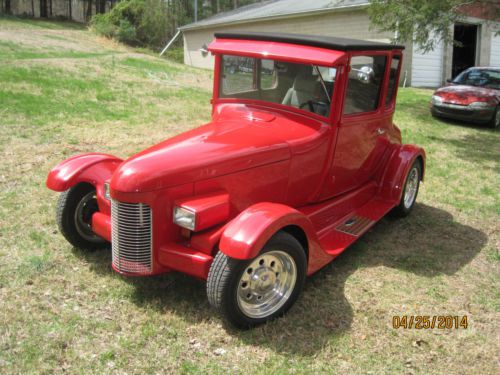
(478, 148)
(428, 243)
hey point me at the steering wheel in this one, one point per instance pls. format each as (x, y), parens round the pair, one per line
(309, 103)
(312, 103)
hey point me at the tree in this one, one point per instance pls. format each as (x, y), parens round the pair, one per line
(427, 21)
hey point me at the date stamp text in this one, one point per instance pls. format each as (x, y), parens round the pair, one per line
(430, 322)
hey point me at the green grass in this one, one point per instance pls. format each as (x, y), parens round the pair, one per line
(65, 310)
(16, 23)
(13, 51)
(142, 65)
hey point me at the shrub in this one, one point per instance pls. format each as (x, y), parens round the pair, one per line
(126, 32)
(102, 25)
(135, 22)
(175, 54)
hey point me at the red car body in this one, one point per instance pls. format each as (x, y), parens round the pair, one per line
(255, 169)
(470, 99)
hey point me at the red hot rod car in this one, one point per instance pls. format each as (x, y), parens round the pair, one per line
(300, 159)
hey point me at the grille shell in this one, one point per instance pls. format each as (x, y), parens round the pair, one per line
(131, 237)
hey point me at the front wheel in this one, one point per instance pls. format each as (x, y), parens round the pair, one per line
(252, 292)
(74, 217)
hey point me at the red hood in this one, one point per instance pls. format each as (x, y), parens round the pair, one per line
(238, 138)
(464, 95)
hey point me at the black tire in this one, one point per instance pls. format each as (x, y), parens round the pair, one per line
(77, 232)
(226, 274)
(404, 207)
(495, 121)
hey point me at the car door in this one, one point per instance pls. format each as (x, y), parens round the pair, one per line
(362, 130)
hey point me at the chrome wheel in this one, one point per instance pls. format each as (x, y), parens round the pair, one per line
(83, 217)
(266, 284)
(411, 187)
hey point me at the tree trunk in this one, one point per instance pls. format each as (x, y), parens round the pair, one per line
(33, 8)
(100, 6)
(235, 4)
(70, 10)
(89, 10)
(7, 6)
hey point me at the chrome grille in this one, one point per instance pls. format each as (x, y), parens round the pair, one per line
(131, 237)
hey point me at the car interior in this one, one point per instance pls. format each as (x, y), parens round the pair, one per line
(301, 86)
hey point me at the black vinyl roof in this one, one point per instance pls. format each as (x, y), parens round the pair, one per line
(341, 44)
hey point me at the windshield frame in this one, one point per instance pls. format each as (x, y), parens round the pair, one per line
(218, 98)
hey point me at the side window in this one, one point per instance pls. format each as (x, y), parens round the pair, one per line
(238, 75)
(391, 88)
(365, 81)
(268, 75)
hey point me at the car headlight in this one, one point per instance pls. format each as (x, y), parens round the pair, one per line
(479, 105)
(184, 218)
(436, 99)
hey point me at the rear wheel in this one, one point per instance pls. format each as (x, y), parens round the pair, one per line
(250, 292)
(410, 191)
(74, 217)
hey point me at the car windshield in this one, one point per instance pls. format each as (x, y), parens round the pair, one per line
(487, 78)
(308, 87)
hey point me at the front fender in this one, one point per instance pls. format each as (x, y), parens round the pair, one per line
(397, 169)
(247, 233)
(93, 168)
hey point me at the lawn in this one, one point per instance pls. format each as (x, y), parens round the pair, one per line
(65, 91)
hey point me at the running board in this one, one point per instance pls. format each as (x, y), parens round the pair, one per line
(355, 225)
(347, 230)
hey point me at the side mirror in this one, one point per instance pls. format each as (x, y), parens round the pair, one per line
(448, 80)
(366, 74)
(204, 50)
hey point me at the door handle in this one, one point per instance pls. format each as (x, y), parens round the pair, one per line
(380, 131)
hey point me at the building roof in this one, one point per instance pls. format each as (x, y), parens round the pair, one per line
(269, 9)
(341, 44)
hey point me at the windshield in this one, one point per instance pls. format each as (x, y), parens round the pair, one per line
(307, 87)
(487, 78)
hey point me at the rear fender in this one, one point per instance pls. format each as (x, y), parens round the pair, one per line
(93, 168)
(397, 169)
(246, 234)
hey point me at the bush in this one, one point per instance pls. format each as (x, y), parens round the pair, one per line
(126, 32)
(175, 54)
(135, 22)
(102, 25)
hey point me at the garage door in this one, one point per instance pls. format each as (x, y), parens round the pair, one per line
(427, 68)
(495, 51)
